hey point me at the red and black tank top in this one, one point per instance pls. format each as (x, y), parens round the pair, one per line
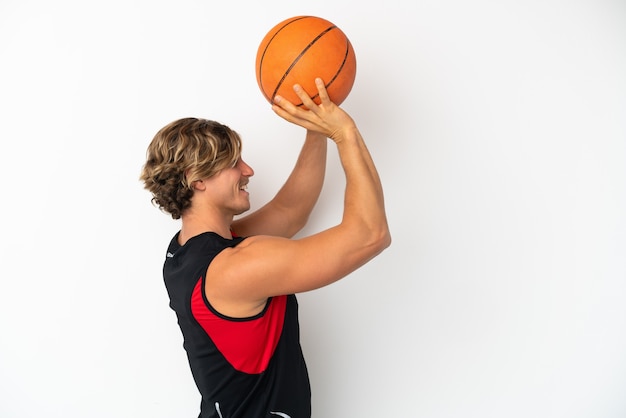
(243, 367)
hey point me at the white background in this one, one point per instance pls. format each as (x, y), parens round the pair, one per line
(499, 129)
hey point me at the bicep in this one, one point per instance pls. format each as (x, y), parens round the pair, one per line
(265, 266)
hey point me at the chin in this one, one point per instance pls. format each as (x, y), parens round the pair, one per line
(241, 211)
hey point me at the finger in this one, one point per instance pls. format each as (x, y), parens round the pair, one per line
(304, 96)
(284, 104)
(287, 110)
(293, 119)
(289, 107)
(321, 90)
(279, 109)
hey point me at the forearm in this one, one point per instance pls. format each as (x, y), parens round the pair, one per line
(298, 196)
(364, 207)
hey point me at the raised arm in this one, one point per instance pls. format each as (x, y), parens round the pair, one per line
(240, 279)
(289, 210)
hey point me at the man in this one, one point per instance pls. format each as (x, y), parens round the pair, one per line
(232, 283)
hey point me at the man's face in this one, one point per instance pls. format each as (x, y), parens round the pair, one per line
(229, 188)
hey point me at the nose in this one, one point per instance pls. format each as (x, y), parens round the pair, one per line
(246, 170)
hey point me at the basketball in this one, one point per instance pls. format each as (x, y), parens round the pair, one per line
(299, 49)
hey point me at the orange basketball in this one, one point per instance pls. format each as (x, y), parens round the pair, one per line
(299, 49)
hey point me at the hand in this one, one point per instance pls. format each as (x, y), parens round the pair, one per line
(326, 118)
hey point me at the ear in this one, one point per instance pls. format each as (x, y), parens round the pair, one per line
(198, 185)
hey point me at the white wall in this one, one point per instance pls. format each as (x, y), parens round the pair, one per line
(499, 128)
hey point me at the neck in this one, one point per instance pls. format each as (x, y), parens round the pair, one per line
(193, 224)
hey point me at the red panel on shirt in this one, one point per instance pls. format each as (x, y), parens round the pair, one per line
(248, 344)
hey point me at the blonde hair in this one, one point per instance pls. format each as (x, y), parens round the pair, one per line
(183, 152)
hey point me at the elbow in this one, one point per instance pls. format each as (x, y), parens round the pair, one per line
(385, 239)
(381, 239)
